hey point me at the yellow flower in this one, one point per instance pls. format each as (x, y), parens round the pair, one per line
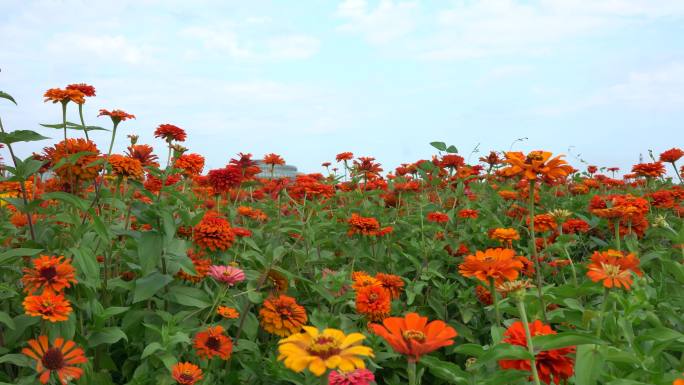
(320, 351)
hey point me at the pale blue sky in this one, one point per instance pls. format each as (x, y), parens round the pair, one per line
(308, 79)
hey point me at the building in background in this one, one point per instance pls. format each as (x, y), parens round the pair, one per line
(284, 171)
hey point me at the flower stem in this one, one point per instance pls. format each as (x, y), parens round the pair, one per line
(528, 336)
(617, 235)
(80, 115)
(533, 251)
(411, 371)
(604, 308)
(495, 299)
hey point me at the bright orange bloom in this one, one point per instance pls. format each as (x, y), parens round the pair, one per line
(468, 213)
(551, 364)
(116, 115)
(536, 164)
(213, 233)
(64, 96)
(678, 382)
(85, 89)
(169, 132)
(79, 170)
(213, 342)
(282, 316)
(59, 359)
(48, 305)
(362, 279)
(362, 225)
(505, 235)
(438, 217)
(344, 156)
(497, 264)
(227, 312)
(651, 170)
(413, 336)
(672, 155)
(200, 264)
(192, 164)
(273, 160)
(143, 153)
(508, 195)
(186, 373)
(126, 167)
(373, 302)
(614, 268)
(50, 273)
(543, 223)
(392, 283)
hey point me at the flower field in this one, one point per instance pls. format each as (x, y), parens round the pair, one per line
(146, 268)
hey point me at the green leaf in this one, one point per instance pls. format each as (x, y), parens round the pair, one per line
(588, 365)
(447, 371)
(16, 359)
(148, 286)
(106, 336)
(71, 199)
(151, 349)
(149, 251)
(452, 149)
(561, 340)
(5, 95)
(189, 296)
(20, 136)
(469, 350)
(87, 267)
(504, 352)
(10, 256)
(441, 146)
(112, 311)
(661, 334)
(7, 320)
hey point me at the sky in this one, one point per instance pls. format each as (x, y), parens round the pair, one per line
(601, 81)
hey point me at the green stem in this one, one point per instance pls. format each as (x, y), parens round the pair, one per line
(528, 336)
(411, 371)
(64, 108)
(617, 234)
(533, 252)
(604, 308)
(495, 299)
(80, 115)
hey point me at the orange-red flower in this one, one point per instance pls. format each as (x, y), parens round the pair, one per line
(273, 160)
(650, 170)
(551, 365)
(392, 283)
(468, 213)
(492, 264)
(80, 169)
(59, 359)
(85, 89)
(186, 373)
(192, 164)
(373, 302)
(362, 279)
(49, 273)
(48, 305)
(64, 96)
(212, 342)
(116, 115)
(223, 179)
(614, 268)
(363, 225)
(543, 223)
(228, 312)
(536, 164)
(505, 235)
(282, 316)
(344, 156)
(672, 155)
(438, 217)
(143, 153)
(213, 233)
(169, 133)
(413, 336)
(126, 167)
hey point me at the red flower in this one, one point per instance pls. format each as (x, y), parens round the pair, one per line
(169, 132)
(672, 155)
(223, 179)
(273, 160)
(649, 169)
(85, 89)
(551, 364)
(116, 115)
(438, 217)
(344, 156)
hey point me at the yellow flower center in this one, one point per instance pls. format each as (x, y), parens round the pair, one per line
(612, 271)
(415, 335)
(534, 156)
(324, 347)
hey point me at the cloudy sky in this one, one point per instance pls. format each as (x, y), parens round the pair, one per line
(600, 80)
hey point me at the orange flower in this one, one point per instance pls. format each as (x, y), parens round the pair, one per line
(192, 164)
(64, 96)
(492, 264)
(649, 170)
(505, 235)
(536, 163)
(50, 306)
(362, 279)
(143, 153)
(273, 160)
(614, 268)
(213, 233)
(50, 273)
(362, 225)
(201, 267)
(116, 115)
(468, 213)
(672, 155)
(186, 373)
(543, 223)
(413, 336)
(59, 359)
(373, 302)
(85, 89)
(282, 316)
(169, 132)
(392, 283)
(126, 167)
(212, 342)
(438, 217)
(227, 312)
(79, 170)
(344, 156)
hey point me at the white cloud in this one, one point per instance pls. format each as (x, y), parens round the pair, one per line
(388, 21)
(292, 47)
(107, 47)
(220, 38)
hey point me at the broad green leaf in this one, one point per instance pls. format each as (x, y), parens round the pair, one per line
(588, 365)
(148, 286)
(149, 251)
(106, 336)
(151, 349)
(10, 256)
(441, 146)
(5, 95)
(20, 136)
(504, 352)
(189, 296)
(71, 199)
(16, 359)
(447, 371)
(7, 320)
(561, 340)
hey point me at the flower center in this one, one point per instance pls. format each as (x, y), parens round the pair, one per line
(213, 343)
(53, 359)
(414, 335)
(534, 156)
(48, 273)
(187, 378)
(324, 347)
(612, 271)
(373, 297)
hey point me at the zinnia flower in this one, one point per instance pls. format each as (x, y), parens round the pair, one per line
(223, 179)
(213, 233)
(282, 316)
(344, 156)
(373, 302)
(649, 170)
(213, 342)
(64, 96)
(50, 273)
(413, 336)
(227, 312)
(169, 133)
(357, 377)
(504, 235)
(186, 373)
(536, 163)
(319, 351)
(438, 217)
(85, 89)
(392, 283)
(551, 364)
(116, 115)
(362, 225)
(48, 305)
(492, 264)
(81, 169)
(614, 268)
(227, 274)
(59, 359)
(672, 155)
(143, 153)
(126, 167)
(273, 160)
(192, 164)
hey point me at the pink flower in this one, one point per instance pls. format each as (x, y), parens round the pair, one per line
(227, 274)
(357, 377)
